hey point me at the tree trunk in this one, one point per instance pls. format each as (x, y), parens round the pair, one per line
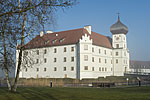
(7, 79)
(5, 62)
(20, 55)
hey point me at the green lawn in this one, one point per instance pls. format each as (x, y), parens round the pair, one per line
(45, 93)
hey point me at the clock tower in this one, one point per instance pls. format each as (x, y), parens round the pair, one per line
(120, 50)
(119, 31)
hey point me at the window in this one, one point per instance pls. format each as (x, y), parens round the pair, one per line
(117, 38)
(124, 53)
(72, 59)
(102, 69)
(105, 69)
(65, 68)
(45, 60)
(55, 50)
(85, 67)
(72, 49)
(61, 40)
(111, 69)
(92, 59)
(99, 68)
(85, 57)
(55, 60)
(46, 42)
(26, 70)
(117, 45)
(111, 61)
(117, 54)
(65, 59)
(25, 53)
(85, 47)
(125, 69)
(45, 69)
(116, 60)
(65, 76)
(55, 69)
(37, 69)
(72, 68)
(37, 61)
(92, 68)
(37, 52)
(65, 49)
(124, 61)
(105, 61)
(93, 49)
(105, 52)
(99, 50)
(45, 51)
(26, 62)
(53, 41)
(99, 60)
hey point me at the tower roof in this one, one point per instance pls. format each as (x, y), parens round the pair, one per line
(119, 28)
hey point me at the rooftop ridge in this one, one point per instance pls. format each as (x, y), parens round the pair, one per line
(68, 30)
(69, 37)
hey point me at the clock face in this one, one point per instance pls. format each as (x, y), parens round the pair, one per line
(117, 38)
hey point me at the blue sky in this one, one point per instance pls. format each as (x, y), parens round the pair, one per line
(101, 14)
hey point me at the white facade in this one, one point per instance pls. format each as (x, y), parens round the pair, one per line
(52, 64)
(120, 54)
(98, 63)
(82, 59)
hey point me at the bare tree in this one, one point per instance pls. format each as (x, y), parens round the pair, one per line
(7, 42)
(30, 15)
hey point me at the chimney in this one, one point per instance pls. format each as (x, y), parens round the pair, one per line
(41, 33)
(49, 32)
(88, 28)
(56, 34)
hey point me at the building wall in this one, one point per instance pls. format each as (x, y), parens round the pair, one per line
(120, 54)
(96, 61)
(54, 63)
(90, 61)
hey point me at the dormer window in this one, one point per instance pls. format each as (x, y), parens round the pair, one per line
(54, 41)
(61, 40)
(46, 42)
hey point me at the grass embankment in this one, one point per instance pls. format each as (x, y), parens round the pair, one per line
(45, 93)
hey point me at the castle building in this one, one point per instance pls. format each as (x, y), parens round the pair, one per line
(79, 53)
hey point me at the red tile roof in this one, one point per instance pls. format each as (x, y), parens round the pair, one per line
(66, 38)
(101, 40)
